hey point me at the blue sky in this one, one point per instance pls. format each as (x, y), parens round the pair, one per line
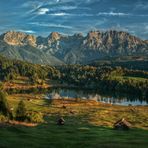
(41, 17)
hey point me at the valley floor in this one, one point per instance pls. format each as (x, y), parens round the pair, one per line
(90, 111)
(73, 134)
(88, 124)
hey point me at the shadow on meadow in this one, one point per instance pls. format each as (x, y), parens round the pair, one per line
(75, 133)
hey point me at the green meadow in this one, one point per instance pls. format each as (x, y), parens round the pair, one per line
(90, 125)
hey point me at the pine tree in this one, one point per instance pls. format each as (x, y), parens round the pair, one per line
(4, 106)
(21, 111)
(1, 85)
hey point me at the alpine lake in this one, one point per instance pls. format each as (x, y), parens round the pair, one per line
(114, 98)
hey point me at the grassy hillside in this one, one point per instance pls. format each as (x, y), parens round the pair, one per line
(71, 135)
(90, 125)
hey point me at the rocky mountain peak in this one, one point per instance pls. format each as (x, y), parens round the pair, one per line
(121, 35)
(54, 36)
(92, 40)
(93, 34)
(72, 49)
(18, 39)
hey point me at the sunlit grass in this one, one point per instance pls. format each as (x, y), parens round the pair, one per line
(73, 134)
(88, 124)
(91, 112)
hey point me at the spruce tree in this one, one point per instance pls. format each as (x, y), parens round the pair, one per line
(21, 111)
(4, 106)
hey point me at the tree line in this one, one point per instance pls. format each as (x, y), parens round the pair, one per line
(10, 69)
(106, 78)
(86, 76)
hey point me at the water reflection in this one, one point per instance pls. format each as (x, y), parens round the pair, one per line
(97, 95)
(106, 97)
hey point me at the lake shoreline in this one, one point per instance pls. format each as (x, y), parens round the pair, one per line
(12, 88)
(96, 113)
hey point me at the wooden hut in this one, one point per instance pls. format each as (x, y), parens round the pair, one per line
(122, 124)
(61, 121)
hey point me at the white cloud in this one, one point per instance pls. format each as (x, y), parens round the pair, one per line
(26, 31)
(70, 14)
(84, 14)
(32, 5)
(42, 11)
(89, 1)
(50, 25)
(66, 7)
(112, 14)
(59, 14)
(62, 8)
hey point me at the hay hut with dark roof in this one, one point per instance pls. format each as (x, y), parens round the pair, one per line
(122, 124)
(61, 121)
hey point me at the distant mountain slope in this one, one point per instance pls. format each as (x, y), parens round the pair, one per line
(16, 45)
(58, 49)
(129, 62)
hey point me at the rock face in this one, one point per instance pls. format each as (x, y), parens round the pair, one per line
(17, 45)
(58, 49)
(19, 39)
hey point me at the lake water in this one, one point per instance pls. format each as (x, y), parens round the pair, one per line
(112, 98)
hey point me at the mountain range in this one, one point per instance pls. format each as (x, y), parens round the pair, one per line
(57, 49)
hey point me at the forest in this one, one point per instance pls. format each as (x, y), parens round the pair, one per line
(92, 77)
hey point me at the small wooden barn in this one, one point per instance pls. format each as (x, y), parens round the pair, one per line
(122, 124)
(61, 121)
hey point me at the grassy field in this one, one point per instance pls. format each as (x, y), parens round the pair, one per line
(90, 125)
(91, 111)
(71, 135)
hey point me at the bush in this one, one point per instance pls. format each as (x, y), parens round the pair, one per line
(1, 85)
(21, 111)
(35, 117)
(3, 118)
(4, 106)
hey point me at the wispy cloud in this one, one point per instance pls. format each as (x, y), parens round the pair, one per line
(112, 14)
(84, 14)
(51, 25)
(59, 14)
(141, 5)
(57, 8)
(70, 14)
(42, 11)
(138, 29)
(32, 6)
(26, 31)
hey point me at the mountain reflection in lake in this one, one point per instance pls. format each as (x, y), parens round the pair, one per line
(112, 98)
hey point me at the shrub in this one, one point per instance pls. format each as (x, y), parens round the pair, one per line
(35, 117)
(4, 106)
(1, 85)
(21, 111)
(3, 118)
